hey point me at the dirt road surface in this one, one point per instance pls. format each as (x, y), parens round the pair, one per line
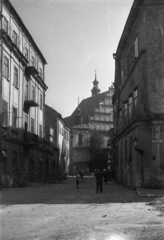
(62, 212)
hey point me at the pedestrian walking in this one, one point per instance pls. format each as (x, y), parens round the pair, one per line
(105, 174)
(77, 180)
(82, 174)
(99, 181)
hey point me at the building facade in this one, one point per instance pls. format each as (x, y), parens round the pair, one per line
(138, 99)
(95, 112)
(58, 134)
(22, 98)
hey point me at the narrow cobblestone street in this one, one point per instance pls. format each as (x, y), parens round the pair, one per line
(60, 211)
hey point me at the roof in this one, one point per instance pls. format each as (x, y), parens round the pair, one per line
(12, 9)
(87, 109)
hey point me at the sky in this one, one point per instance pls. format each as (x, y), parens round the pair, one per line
(77, 38)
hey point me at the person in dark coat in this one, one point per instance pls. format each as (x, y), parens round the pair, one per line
(77, 180)
(99, 181)
(105, 176)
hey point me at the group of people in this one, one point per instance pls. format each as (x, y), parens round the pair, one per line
(100, 175)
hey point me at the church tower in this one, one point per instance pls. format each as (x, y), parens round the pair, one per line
(95, 90)
(78, 116)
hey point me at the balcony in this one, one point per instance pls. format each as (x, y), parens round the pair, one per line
(31, 70)
(31, 139)
(28, 104)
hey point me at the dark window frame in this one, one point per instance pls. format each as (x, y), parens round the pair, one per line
(4, 113)
(6, 67)
(14, 117)
(16, 77)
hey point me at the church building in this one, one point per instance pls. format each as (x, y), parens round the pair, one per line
(95, 112)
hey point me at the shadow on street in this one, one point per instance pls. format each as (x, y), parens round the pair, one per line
(66, 193)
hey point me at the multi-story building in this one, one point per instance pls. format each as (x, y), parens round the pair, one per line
(139, 99)
(58, 134)
(22, 97)
(95, 112)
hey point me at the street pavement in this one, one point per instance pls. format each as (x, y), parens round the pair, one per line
(62, 212)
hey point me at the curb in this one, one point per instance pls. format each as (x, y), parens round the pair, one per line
(147, 194)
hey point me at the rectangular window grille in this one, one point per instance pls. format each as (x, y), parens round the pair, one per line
(14, 119)
(15, 83)
(6, 68)
(4, 113)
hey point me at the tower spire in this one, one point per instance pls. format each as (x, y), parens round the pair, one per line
(95, 90)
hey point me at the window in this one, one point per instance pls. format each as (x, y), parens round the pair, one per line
(107, 127)
(26, 52)
(51, 134)
(135, 97)
(107, 118)
(120, 114)
(96, 117)
(32, 61)
(5, 25)
(33, 93)
(6, 67)
(4, 113)
(32, 125)
(107, 110)
(26, 123)
(40, 131)
(102, 126)
(15, 83)
(130, 106)
(14, 162)
(14, 119)
(126, 65)
(136, 48)
(102, 117)
(102, 109)
(41, 101)
(15, 38)
(40, 72)
(107, 101)
(80, 143)
(26, 91)
(125, 109)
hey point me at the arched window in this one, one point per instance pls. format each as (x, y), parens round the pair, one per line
(80, 139)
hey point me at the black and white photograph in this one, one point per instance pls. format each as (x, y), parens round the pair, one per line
(82, 119)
